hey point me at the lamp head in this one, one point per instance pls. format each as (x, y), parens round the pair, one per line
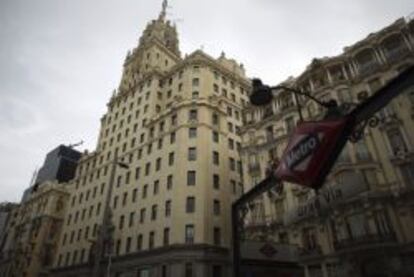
(261, 94)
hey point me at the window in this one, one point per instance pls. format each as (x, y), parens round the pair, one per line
(151, 240)
(142, 215)
(196, 82)
(172, 137)
(167, 208)
(231, 144)
(216, 159)
(139, 242)
(144, 191)
(290, 124)
(121, 222)
(158, 164)
(124, 199)
(164, 271)
(232, 164)
(192, 132)
(215, 136)
(229, 111)
(115, 201)
(233, 185)
(190, 204)
(397, 142)
(128, 245)
(174, 120)
(131, 219)
(147, 169)
(230, 127)
(169, 182)
(188, 270)
(216, 181)
(192, 154)
(217, 235)
(195, 95)
(215, 88)
(134, 195)
(166, 238)
(191, 178)
(189, 233)
(217, 271)
(215, 119)
(216, 207)
(362, 152)
(156, 186)
(407, 172)
(192, 115)
(171, 158)
(154, 212)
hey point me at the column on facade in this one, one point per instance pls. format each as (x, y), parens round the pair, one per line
(344, 71)
(354, 66)
(312, 86)
(328, 73)
(379, 54)
(408, 40)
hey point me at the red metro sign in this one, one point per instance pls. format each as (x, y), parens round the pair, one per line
(312, 150)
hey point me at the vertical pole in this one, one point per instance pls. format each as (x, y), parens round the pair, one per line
(298, 107)
(105, 221)
(236, 239)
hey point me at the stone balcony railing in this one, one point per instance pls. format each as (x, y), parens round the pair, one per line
(368, 68)
(310, 253)
(365, 241)
(396, 54)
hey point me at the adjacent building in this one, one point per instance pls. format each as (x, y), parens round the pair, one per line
(32, 228)
(6, 212)
(32, 232)
(174, 123)
(362, 221)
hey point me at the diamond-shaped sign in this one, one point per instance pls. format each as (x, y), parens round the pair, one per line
(312, 150)
(268, 250)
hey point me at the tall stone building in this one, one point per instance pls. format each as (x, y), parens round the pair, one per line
(362, 222)
(174, 123)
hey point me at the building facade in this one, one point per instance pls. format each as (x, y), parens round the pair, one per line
(362, 221)
(6, 212)
(174, 123)
(33, 230)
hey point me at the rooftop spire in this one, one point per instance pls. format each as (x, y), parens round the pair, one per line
(164, 10)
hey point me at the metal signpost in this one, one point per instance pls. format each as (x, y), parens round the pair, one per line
(314, 146)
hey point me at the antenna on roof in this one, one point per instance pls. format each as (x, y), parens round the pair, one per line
(34, 176)
(410, 16)
(75, 144)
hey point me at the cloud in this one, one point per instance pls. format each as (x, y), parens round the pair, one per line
(60, 60)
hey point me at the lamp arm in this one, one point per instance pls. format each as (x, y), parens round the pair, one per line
(296, 91)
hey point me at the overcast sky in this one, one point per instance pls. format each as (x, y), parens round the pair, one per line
(60, 59)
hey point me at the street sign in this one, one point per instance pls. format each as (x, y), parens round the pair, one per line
(312, 147)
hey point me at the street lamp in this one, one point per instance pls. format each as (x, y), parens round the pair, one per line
(106, 228)
(263, 94)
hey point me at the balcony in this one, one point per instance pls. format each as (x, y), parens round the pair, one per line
(310, 253)
(368, 68)
(366, 242)
(396, 54)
